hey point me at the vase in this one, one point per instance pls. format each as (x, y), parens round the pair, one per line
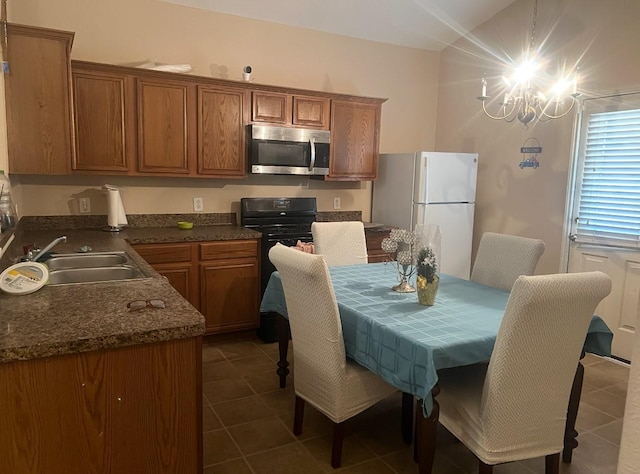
(404, 286)
(427, 291)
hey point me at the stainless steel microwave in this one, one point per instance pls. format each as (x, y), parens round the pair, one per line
(283, 150)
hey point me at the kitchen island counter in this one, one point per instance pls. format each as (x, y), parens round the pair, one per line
(79, 363)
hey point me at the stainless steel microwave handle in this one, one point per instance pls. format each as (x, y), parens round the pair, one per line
(312, 163)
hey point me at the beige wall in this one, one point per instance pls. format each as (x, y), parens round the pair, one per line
(604, 37)
(125, 31)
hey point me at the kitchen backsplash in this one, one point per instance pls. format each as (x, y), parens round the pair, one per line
(334, 216)
(135, 220)
(158, 220)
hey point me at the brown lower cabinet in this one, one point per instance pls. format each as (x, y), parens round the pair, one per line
(374, 245)
(220, 279)
(178, 263)
(135, 409)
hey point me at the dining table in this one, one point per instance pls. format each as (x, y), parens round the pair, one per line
(406, 343)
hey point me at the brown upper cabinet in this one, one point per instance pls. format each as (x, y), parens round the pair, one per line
(271, 107)
(311, 112)
(221, 135)
(355, 139)
(38, 100)
(102, 110)
(163, 132)
(68, 117)
(290, 109)
(143, 123)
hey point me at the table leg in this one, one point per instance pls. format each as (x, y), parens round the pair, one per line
(407, 417)
(570, 433)
(283, 349)
(426, 430)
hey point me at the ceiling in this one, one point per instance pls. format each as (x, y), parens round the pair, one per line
(423, 24)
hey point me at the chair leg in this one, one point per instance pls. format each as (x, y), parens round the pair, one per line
(298, 416)
(552, 464)
(336, 448)
(484, 468)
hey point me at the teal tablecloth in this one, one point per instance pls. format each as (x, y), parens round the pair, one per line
(406, 343)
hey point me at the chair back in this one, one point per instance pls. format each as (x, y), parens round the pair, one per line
(502, 258)
(341, 243)
(316, 329)
(537, 350)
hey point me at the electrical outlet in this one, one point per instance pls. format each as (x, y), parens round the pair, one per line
(198, 205)
(336, 203)
(85, 205)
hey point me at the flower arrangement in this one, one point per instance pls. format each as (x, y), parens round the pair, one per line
(426, 264)
(401, 247)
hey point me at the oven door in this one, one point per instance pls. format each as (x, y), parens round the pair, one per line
(281, 150)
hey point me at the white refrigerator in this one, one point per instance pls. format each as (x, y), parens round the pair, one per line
(430, 188)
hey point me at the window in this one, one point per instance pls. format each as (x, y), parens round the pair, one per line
(607, 208)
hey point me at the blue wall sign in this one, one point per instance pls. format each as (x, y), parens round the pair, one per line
(532, 161)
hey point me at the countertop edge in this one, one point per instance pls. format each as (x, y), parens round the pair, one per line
(100, 343)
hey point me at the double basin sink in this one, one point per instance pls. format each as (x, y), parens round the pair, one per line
(92, 267)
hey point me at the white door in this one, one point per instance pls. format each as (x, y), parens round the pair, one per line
(620, 310)
(605, 218)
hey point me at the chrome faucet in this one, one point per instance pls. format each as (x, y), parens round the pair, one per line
(53, 243)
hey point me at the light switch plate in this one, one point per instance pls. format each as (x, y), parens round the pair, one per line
(198, 205)
(336, 203)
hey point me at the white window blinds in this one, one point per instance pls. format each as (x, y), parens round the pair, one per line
(609, 188)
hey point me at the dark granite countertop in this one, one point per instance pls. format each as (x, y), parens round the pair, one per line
(64, 319)
(151, 235)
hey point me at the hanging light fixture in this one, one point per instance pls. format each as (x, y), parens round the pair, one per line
(522, 101)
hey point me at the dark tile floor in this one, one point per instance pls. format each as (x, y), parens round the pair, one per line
(248, 423)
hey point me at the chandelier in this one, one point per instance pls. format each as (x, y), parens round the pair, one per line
(521, 100)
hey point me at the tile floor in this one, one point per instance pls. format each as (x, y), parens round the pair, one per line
(248, 423)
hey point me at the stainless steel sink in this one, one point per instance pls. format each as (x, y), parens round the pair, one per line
(87, 260)
(92, 267)
(85, 275)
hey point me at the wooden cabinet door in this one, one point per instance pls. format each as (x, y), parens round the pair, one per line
(38, 100)
(182, 277)
(354, 141)
(229, 294)
(229, 285)
(374, 246)
(163, 141)
(132, 409)
(176, 262)
(271, 107)
(221, 136)
(311, 112)
(101, 106)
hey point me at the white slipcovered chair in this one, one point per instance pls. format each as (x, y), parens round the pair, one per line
(341, 243)
(323, 376)
(516, 407)
(502, 258)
